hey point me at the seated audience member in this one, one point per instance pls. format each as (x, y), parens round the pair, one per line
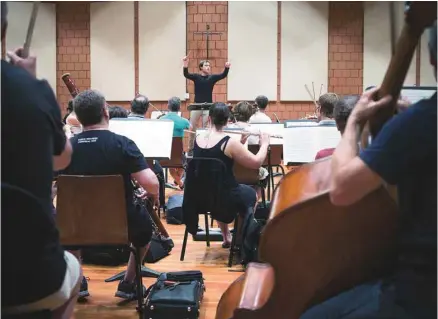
(139, 107)
(260, 116)
(326, 103)
(216, 144)
(341, 112)
(112, 154)
(37, 274)
(118, 112)
(180, 124)
(242, 113)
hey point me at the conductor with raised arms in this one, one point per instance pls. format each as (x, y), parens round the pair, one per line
(204, 82)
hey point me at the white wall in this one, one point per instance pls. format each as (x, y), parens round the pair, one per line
(377, 41)
(162, 45)
(427, 77)
(112, 49)
(43, 44)
(252, 49)
(304, 48)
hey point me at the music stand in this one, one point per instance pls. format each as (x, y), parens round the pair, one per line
(153, 146)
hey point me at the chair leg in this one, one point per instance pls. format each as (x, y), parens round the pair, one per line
(207, 230)
(264, 197)
(183, 250)
(233, 242)
(138, 279)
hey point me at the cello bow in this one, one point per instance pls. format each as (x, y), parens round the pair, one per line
(306, 258)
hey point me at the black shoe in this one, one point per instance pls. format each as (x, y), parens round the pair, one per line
(128, 290)
(83, 292)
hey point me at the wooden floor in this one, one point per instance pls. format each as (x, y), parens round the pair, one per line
(212, 261)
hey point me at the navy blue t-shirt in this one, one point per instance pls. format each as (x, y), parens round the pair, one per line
(31, 134)
(404, 154)
(102, 152)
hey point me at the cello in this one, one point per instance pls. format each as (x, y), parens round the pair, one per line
(311, 249)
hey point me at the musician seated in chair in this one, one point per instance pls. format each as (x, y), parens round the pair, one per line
(341, 112)
(260, 116)
(180, 124)
(403, 154)
(326, 104)
(98, 151)
(216, 144)
(243, 112)
(117, 112)
(139, 107)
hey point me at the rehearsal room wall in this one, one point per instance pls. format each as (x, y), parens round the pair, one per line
(342, 53)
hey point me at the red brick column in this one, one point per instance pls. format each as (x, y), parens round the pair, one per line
(73, 46)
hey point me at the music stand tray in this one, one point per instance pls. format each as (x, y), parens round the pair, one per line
(199, 106)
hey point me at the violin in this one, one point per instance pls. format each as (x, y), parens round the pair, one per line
(311, 249)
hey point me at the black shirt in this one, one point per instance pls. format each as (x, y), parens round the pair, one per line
(102, 152)
(32, 133)
(204, 84)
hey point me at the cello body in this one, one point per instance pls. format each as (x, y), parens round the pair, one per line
(311, 249)
(323, 253)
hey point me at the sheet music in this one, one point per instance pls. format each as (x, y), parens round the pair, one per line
(156, 114)
(152, 137)
(292, 123)
(416, 94)
(270, 128)
(302, 143)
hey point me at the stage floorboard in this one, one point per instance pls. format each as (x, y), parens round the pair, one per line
(212, 261)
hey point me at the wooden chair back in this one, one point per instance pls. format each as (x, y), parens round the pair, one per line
(245, 175)
(91, 210)
(175, 160)
(276, 153)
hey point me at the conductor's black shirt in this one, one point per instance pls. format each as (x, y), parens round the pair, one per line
(204, 84)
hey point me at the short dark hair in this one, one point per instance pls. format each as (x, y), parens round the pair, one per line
(243, 111)
(89, 107)
(342, 110)
(201, 64)
(116, 111)
(261, 101)
(140, 105)
(219, 113)
(174, 104)
(70, 106)
(327, 103)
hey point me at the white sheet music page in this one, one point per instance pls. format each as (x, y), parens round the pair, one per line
(292, 123)
(414, 95)
(302, 143)
(152, 137)
(272, 129)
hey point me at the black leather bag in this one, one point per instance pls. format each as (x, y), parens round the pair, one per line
(175, 295)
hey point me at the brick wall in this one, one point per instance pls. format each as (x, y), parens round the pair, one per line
(345, 50)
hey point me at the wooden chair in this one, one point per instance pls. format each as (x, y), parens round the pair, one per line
(91, 211)
(207, 186)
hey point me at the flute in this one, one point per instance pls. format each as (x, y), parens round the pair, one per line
(242, 133)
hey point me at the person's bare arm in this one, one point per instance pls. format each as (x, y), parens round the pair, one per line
(244, 157)
(148, 180)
